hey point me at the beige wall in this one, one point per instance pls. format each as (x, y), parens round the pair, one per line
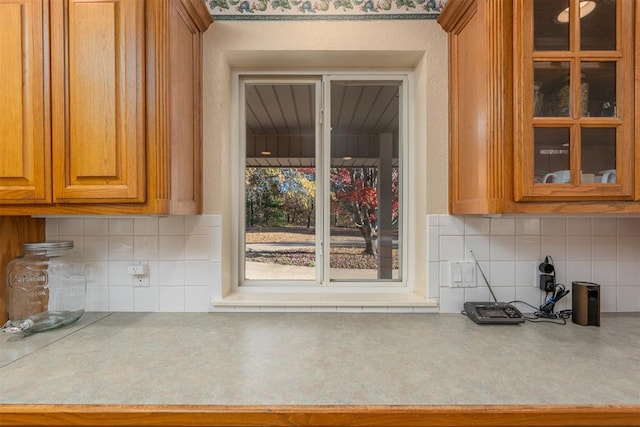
(418, 45)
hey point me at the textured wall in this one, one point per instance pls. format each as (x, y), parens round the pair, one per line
(420, 45)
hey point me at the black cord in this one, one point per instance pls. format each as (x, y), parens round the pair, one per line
(546, 316)
(545, 319)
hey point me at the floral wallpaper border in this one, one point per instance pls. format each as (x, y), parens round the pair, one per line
(324, 9)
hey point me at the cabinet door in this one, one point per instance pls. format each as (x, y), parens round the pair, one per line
(97, 69)
(574, 107)
(25, 158)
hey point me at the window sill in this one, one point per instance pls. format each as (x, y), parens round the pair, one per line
(326, 299)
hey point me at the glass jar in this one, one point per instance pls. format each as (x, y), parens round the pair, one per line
(537, 99)
(46, 287)
(564, 97)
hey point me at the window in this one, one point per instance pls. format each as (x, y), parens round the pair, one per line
(322, 180)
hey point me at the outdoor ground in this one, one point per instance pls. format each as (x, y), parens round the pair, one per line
(348, 256)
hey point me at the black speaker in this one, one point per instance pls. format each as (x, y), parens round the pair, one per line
(585, 303)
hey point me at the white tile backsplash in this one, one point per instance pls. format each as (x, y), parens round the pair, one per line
(120, 298)
(171, 273)
(502, 273)
(554, 226)
(628, 298)
(528, 226)
(97, 298)
(502, 248)
(197, 247)
(476, 225)
(451, 248)
(527, 248)
(68, 226)
(579, 248)
(182, 254)
(172, 298)
(196, 298)
(145, 226)
(145, 247)
(171, 247)
(96, 227)
(604, 226)
(121, 226)
(579, 227)
(503, 226)
(171, 226)
(601, 250)
(146, 299)
(121, 248)
(184, 258)
(629, 227)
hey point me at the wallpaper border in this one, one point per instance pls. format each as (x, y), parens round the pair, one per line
(280, 10)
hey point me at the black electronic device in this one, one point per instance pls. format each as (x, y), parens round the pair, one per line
(491, 312)
(547, 275)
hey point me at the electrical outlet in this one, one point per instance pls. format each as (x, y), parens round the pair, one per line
(141, 281)
(136, 270)
(547, 282)
(139, 273)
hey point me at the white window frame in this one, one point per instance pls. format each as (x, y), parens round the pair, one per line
(406, 149)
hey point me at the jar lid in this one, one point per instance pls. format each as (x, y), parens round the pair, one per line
(55, 244)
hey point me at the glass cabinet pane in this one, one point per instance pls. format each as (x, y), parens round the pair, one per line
(551, 89)
(598, 157)
(598, 90)
(598, 25)
(551, 155)
(548, 32)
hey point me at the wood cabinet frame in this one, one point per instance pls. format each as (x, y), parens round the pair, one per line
(487, 104)
(525, 189)
(156, 149)
(480, 101)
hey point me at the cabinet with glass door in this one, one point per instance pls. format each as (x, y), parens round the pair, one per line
(574, 100)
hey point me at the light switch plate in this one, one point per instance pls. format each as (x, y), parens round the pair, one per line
(462, 274)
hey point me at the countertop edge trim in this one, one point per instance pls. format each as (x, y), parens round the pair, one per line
(327, 415)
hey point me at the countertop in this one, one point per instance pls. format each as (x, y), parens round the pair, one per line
(321, 359)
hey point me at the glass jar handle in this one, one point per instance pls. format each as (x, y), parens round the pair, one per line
(21, 327)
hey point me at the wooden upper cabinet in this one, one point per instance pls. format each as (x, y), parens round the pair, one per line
(542, 106)
(480, 104)
(97, 98)
(101, 106)
(574, 70)
(25, 159)
(174, 102)
(637, 104)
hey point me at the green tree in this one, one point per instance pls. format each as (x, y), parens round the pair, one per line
(262, 196)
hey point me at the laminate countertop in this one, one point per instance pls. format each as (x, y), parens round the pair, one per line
(321, 359)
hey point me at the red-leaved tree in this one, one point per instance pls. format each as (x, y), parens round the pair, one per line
(355, 190)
